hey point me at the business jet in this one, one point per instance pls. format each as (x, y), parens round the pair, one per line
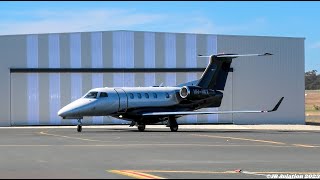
(150, 105)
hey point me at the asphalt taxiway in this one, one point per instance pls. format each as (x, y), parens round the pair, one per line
(123, 152)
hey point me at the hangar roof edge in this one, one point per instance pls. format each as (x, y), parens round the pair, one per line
(153, 32)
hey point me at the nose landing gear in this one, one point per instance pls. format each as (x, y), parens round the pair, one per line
(79, 126)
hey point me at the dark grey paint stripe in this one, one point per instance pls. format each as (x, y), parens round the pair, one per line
(101, 70)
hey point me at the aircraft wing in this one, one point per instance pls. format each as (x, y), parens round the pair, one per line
(204, 112)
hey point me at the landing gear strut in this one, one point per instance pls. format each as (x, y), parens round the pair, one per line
(79, 126)
(172, 123)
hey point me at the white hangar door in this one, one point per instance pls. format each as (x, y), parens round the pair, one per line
(35, 98)
(19, 111)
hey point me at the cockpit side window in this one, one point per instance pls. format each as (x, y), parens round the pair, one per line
(103, 94)
(92, 94)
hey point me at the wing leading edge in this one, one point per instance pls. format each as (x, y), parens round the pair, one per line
(203, 112)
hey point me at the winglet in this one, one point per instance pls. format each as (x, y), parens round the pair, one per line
(277, 105)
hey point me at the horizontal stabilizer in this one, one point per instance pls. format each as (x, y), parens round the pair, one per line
(242, 55)
(236, 55)
(204, 112)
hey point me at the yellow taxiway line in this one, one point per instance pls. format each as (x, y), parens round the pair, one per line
(255, 140)
(191, 172)
(136, 174)
(142, 174)
(222, 172)
(137, 145)
(56, 135)
(304, 145)
(280, 144)
(237, 138)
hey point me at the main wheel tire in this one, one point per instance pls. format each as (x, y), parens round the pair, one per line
(141, 128)
(79, 128)
(174, 128)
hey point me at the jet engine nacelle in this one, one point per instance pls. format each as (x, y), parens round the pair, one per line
(195, 92)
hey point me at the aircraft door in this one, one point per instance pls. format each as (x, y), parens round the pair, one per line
(123, 100)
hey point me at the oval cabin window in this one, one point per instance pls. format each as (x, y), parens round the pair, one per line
(103, 94)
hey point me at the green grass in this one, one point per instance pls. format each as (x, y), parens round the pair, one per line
(312, 99)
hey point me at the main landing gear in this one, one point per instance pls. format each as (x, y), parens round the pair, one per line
(172, 123)
(141, 127)
(79, 126)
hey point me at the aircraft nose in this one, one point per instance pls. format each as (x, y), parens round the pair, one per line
(75, 109)
(65, 111)
(62, 112)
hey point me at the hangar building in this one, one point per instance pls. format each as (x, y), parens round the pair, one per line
(40, 73)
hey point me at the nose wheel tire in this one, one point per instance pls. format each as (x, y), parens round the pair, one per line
(79, 128)
(141, 127)
(174, 128)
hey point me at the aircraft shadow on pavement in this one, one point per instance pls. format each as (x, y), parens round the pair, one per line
(116, 130)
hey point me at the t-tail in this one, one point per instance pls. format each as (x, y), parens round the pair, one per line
(216, 73)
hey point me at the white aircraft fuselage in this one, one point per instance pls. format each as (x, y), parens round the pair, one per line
(119, 100)
(129, 103)
(149, 105)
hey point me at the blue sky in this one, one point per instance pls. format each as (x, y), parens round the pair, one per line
(288, 19)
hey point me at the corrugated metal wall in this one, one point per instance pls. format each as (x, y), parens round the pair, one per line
(259, 82)
(34, 98)
(41, 95)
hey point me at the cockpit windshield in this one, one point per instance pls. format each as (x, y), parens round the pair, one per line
(92, 94)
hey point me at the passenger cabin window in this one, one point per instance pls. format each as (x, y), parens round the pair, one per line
(139, 95)
(131, 95)
(103, 94)
(167, 95)
(154, 95)
(147, 95)
(91, 95)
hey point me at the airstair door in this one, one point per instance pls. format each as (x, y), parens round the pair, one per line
(123, 100)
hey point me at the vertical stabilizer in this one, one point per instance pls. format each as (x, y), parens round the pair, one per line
(216, 73)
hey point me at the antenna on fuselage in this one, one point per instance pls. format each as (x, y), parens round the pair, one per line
(200, 55)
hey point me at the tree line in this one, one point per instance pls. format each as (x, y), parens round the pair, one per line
(312, 80)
